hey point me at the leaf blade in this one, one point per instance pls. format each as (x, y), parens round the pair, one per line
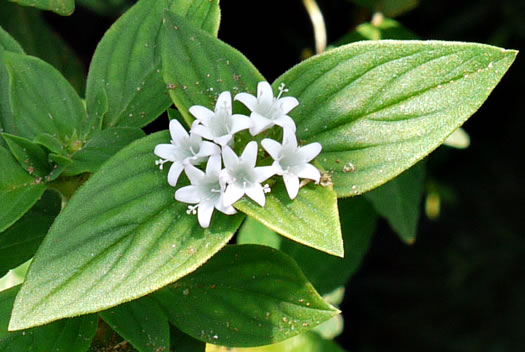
(246, 295)
(379, 107)
(127, 227)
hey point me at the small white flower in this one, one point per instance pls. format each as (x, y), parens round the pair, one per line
(184, 149)
(291, 161)
(268, 111)
(243, 177)
(206, 190)
(219, 125)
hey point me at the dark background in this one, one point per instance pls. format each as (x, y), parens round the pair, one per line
(461, 286)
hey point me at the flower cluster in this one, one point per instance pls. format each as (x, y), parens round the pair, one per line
(219, 188)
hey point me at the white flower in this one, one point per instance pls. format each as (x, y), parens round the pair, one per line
(268, 111)
(291, 161)
(243, 177)
(206, 190)
(219, 125)
(184, 149)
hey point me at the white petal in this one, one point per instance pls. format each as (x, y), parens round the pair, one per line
(201, 113)
(249, 155)
(229, 157)
(214, 164)
(265, 93)
(177, 131)
(259, 123)
(240, 122)
(310, 151)
(203, 131)
(165, 151)
(287, 104)
(263, 173)
(292, 185)
(289, 139)
(188, 194)
(174, 173)
(195, 175)
(272, 147)
(224, 100)
(256, 193)
(223, 140)
(204, 213)
(309, 171)
(208, 148)
(247, 99)
(233, 193)
(286, 122)
(223, 209)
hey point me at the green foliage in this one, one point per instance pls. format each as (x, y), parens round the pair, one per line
(379, 107)
(62, 7)
(399, 201)
(20, 241)
(130, 239)
(246, 295)
(108, 237)
(198, 67)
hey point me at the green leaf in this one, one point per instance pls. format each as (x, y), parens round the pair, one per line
(43, 101)
(20, 241)
(18, 190)
(9, 43)
(253, 232)
(311, 219)
(71, 335)
(35, 35)
(399, 201)
(309, 341)
(121, 236)
(127, 61)
(101, 147)
(181, 342)
(197, 67)
(246, 295)
(62, 7)
(325, 272)
(379, 107)
(142, 322)
(31, 156)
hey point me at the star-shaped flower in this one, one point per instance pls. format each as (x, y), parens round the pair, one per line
(291, 161)
(268, 110)
(184, 149)
(206, 190)
(243, 177)
(219, 125)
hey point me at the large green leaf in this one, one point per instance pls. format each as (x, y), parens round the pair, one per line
(31, 156)
(42, 101)
(121, 236)
(18, 190)
(181, 342)
(311, 219)
(71, 335)
(141, 322)
(9, 43)
(197, 67)
(325, 272)
(36, 36)
(309, 341)
(246, 295)
(101, 147)
(379, 107)
(399, 201)
(20, 241)
(127, 61)
(62, 7)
